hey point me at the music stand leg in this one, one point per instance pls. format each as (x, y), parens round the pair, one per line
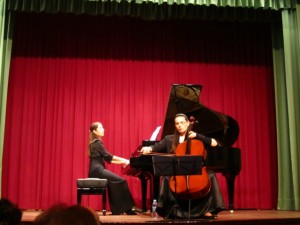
(189, 215)
(175, 166)
(174, 175)
(174, 208)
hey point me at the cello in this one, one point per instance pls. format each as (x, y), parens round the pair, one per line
(188, 187)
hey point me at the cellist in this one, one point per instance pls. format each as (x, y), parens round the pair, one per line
(206, 207)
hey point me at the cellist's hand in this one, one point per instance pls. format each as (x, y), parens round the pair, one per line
(211, 141)
(192, 134)
(214, 142)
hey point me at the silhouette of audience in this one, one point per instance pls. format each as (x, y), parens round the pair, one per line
(61, 214)
(10, 214)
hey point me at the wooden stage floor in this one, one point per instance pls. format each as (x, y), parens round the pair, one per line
(238, 217)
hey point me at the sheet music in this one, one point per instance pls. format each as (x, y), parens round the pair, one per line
(155, 133)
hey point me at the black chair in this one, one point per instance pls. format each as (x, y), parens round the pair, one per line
(92, 186)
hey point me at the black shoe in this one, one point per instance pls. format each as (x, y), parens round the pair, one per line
(130, 212)
(136, 209)
(209, 217)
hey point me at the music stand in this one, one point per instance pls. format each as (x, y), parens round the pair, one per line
(177, 165)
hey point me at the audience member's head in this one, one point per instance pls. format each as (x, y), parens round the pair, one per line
(62, 214)
(10, 214)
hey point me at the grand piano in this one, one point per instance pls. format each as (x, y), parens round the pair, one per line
(225, 159)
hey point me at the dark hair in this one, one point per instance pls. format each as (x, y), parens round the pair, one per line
(61, 214)
(94, 126)
(50, 215)
(92, 136)
(78, 215)
(183, 115)
(10, 214)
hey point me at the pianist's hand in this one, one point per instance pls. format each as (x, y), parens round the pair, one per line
(146, 150)
(125, 163)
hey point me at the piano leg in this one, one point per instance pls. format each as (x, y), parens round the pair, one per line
(144, 192)
(230, 178)
(156, 185)
(154, 189)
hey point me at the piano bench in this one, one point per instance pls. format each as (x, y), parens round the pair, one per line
(92, 186)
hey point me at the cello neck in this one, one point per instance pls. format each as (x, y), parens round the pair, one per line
(190, 128)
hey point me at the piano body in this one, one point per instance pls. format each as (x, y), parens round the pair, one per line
(184, 98)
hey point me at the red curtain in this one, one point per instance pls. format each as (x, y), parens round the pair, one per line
(68, 71)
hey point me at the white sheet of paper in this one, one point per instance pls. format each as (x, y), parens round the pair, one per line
(155, 133)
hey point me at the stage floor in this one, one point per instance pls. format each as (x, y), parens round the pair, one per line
(246, 217)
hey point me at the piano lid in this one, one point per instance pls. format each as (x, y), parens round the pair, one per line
(184, 98)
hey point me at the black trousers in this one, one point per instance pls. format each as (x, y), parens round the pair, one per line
(119, 195)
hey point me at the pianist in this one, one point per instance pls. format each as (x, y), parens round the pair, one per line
(120, 198)
(206, 207)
